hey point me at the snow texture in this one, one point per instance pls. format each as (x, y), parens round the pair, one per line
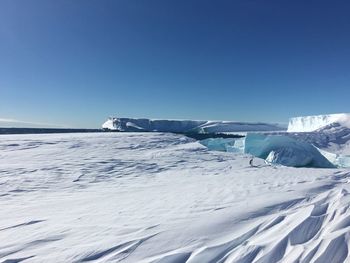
(134, 125)
(155, 197)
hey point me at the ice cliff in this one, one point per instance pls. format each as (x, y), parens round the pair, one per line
(275, 149)
(284, 150)
(313, 123)
(139, 125)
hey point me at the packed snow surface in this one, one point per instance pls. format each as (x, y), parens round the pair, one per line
(155, 197)
(313, 123)
(134, 125)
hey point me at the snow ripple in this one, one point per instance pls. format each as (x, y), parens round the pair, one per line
(154, 197)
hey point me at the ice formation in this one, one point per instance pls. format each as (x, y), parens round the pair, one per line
(136, 125)
(313, 123)
(339, 160)
(317, 141)
(276, 149)
(218, 144)
(285, 150)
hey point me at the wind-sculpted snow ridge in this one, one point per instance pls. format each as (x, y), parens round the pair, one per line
(314, 229)
(162, 197)
(313, 123)
(135, 125)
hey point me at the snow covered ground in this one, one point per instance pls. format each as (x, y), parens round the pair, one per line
(156, 197)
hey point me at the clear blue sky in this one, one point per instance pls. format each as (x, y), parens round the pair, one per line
(76, 62)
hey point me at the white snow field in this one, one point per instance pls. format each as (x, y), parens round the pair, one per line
(134, 125)
(156, 197)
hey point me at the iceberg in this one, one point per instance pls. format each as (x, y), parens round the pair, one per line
(218, 144)
(224, 144)
(341, 161)
(313, 123)
(279, 149)
(289, 157)
(238, 146)
(334, 138)
(109, 124)
(147, 125)
(139, 125)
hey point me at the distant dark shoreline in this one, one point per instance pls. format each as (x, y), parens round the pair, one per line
(197, 136)
(203, 136)
(44, 130)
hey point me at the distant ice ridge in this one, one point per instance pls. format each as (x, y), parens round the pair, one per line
(137, 125)
(313, 123)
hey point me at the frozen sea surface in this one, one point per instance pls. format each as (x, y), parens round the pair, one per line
(155, 197)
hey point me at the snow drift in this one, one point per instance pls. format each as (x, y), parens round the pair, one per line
(313, 123)
(162, 197)
(139, 125)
